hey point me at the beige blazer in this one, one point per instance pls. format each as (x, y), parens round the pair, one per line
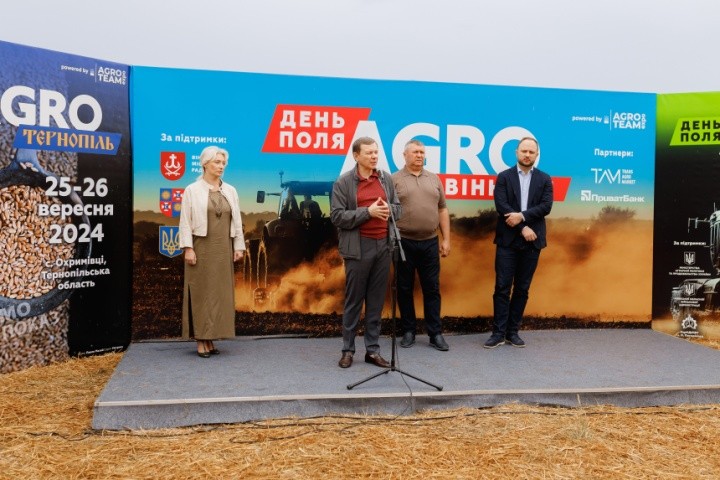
(193, 213)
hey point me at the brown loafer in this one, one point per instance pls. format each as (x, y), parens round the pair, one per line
(346, 360)
(376, 359)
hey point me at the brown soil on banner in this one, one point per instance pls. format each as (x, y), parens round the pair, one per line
(599, 269)
(46, 412)
(321, 325)
(595, 273)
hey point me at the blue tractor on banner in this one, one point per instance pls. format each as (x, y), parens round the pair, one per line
(700, 294)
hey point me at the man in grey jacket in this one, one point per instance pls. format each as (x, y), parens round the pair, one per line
(361, 205)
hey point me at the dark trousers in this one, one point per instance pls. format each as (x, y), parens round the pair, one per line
(365, 283)
(514, 268)
(422, 256)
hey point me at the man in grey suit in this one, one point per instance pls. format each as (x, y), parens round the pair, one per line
(523, 198)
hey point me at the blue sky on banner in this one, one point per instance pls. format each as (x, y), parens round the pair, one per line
(602, 141)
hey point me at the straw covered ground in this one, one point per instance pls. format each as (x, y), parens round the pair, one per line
(45, 417)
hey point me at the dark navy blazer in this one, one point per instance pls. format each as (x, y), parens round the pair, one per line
(507, 199)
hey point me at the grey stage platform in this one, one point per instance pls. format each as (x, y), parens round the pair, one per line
(165, 384)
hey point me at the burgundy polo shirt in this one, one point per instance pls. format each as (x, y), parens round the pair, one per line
(369, 189)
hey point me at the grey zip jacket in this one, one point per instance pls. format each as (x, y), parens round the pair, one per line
(347, 217)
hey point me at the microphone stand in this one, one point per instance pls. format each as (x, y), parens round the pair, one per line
(397, 247)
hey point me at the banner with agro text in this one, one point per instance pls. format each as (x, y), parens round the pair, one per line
(65, 206)
(687, 227)
(290, 136)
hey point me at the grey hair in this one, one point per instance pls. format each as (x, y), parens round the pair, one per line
(209, 153)
(414, 141)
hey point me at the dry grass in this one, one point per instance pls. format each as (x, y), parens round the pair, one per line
(45, 415)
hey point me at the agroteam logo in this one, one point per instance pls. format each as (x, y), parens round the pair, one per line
(629, 120)
(117, 76)
(169, 241)
(172, 165)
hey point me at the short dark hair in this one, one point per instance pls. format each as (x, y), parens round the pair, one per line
(537, 145)
(362, 141)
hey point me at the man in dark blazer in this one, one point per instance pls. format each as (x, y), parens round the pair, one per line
(523, 198)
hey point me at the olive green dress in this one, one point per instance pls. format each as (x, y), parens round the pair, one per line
(208, 293)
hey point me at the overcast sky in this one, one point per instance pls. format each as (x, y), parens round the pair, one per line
(627, 45)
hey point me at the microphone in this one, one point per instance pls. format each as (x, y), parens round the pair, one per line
(381, 178)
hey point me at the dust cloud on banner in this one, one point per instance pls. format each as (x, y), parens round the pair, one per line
(289, 136)
(64, 206)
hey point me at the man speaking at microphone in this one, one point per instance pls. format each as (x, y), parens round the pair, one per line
(361, 205)
(422, 198)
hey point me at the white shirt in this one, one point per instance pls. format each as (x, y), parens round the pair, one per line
(524, 188)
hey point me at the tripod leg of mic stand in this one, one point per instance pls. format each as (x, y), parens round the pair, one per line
(393, 369)
(353, 385)
(403, 372)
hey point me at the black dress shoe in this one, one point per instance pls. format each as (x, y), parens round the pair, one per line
(376, 359)
(408, 340)
(214, 351)
(346, 360)
(439, 343)
(204, 354)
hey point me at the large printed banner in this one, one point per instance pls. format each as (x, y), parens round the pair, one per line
(687, 227)
(64, 206)
(289, 138)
